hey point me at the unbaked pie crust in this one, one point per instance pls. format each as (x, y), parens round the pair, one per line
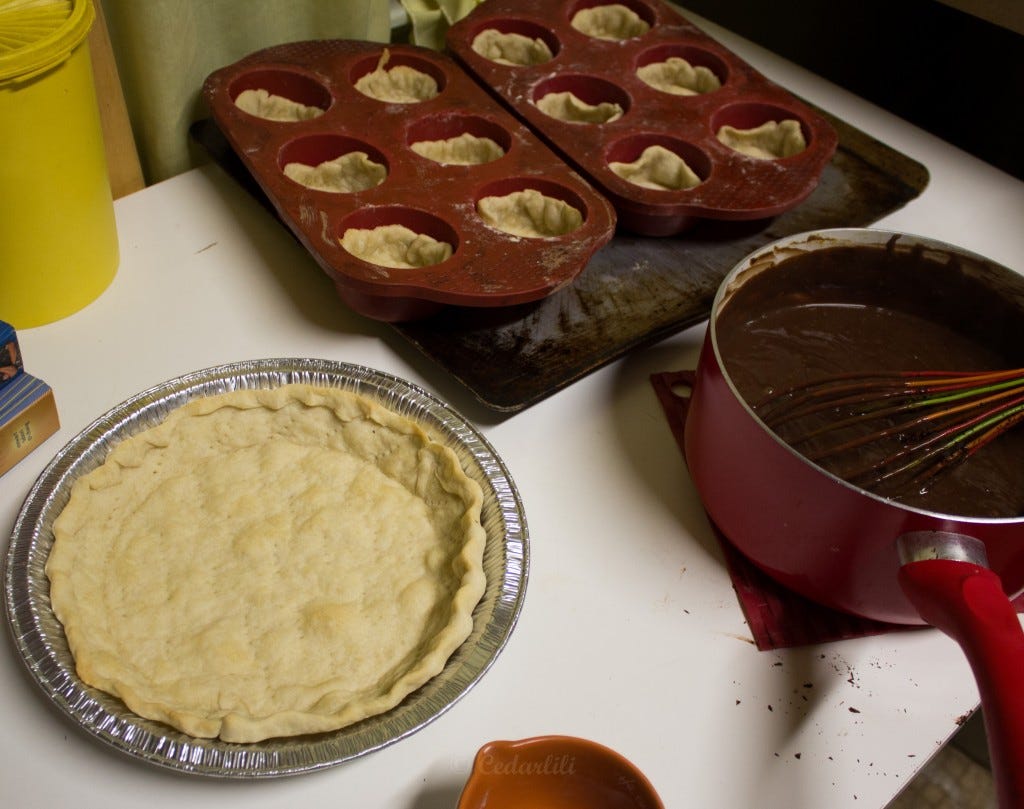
(271, 107)
(657, 168)
(400, 84)
(769, 141)
(510, 48)
(345, 174)
(462, 150)
(395, 246)
(269, 563)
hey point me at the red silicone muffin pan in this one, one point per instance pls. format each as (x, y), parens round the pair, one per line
(732, 186)
(488, 267)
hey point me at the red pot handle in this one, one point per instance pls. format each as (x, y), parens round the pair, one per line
(967, 602)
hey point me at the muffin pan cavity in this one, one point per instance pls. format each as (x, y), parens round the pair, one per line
(659, 162)
(413, 188)
(459, 140)
(515, 42)
(398, 238)
(531, 207)
(761, 131)
(580, 99)
(332, 163)
(681, 70)
(280, 95)
(398, 78)
(611, 21)
(637, 72)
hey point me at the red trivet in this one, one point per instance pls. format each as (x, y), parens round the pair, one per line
(777, 617)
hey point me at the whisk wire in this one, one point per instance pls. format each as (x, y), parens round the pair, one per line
(957, 445)
(952, 414)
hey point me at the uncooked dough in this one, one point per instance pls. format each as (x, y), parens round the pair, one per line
(510, 49)
(530, 213)
(769, 141)
(345, 174)
(658, 168)
(613, 21)
(677, 76)
(266, 105)
(565, 106)
(395, 246)
(269, 563)
(462, 150)
(400, 84)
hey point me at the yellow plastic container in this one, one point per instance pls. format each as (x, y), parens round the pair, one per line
(58, 238)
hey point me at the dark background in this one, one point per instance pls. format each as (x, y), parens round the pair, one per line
(951, 73)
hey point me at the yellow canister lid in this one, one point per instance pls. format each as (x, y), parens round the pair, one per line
(36, 35)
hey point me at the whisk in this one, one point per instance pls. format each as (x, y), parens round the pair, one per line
(905, 425)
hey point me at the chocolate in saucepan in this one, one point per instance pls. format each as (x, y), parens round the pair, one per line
(863, 308)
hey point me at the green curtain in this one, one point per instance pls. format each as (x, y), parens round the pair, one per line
(430, 18)
(165, 49)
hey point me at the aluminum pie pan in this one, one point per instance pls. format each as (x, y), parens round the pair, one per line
(39, 636)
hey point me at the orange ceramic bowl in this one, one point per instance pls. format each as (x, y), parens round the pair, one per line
(555, 772)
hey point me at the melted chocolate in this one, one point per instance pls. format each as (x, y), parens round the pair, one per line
(853, 309)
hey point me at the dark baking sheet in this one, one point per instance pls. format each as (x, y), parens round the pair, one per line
(635, 290)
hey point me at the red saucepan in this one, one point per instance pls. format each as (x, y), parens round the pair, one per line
(853, 550)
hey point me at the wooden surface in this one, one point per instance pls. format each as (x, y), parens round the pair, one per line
(122, 157)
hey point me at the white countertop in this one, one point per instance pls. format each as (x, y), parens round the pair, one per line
(630, 635)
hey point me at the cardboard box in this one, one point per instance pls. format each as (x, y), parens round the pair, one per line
(28, 412)
(10, 354)
(28, 416)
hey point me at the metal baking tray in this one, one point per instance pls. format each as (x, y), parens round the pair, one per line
(635, 290)
(39, 636)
